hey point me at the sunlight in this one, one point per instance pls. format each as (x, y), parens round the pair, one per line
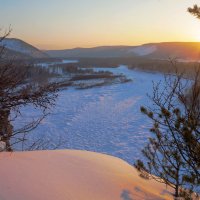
(99, 99)
(196, 36)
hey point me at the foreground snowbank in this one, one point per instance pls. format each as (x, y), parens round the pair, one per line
(72, 175)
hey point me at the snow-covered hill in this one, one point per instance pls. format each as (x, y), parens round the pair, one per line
(22, 47)
(179, 50)
(165, 50)
(73, 175)
(104, 51)
(143, 50)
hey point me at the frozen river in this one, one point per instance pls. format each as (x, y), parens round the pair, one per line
(104, 119)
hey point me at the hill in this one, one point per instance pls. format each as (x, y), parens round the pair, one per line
(166, 50)
(180, 50)
(21, 49)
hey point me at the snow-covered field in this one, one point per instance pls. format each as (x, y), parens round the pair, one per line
(103, 119)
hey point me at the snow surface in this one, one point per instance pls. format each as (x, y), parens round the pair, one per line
(73, 175)
(143, 50)
(104, 119)
(2, 146)
(22, 47)
(57, 63)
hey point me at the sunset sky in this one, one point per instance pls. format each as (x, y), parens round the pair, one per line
(60, 24)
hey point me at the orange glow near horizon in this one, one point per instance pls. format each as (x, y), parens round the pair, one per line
(62, 24)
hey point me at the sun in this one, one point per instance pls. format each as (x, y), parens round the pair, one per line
(194, 32)
(196, 36)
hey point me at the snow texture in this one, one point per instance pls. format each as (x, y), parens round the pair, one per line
(103, 119)
(22, 47)
(73, 175)
(143, 50)
(2, 146)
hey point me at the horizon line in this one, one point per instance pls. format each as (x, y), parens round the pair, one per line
(97, 46)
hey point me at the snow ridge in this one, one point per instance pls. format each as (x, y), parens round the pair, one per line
(143, 50)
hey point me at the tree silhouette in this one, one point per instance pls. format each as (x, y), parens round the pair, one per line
(172, 154)
(17, 91)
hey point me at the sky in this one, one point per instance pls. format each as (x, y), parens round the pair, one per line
(62, 24)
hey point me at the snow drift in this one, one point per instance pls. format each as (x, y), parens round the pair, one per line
(73, 175)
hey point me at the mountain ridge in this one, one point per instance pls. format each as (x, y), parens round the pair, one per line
(162, 50)
(15, 47)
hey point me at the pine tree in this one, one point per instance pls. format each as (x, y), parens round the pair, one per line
(172, 153)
